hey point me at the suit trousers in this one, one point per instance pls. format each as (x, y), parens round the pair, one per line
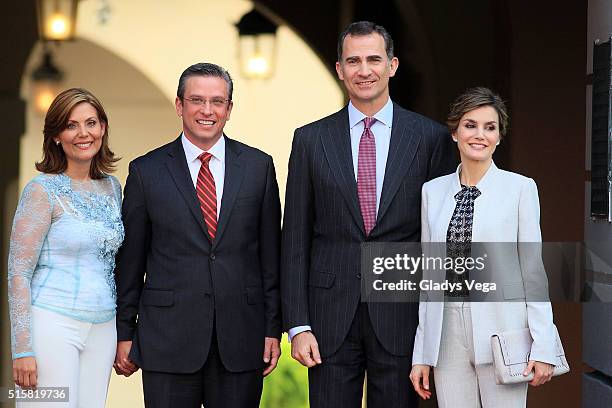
(338, 381)
(74, 354)
(212, 385)
(459, 382)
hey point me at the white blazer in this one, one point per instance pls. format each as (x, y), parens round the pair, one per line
(507, 210)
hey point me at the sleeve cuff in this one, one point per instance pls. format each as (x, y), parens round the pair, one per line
(297, 330)
(21, 355)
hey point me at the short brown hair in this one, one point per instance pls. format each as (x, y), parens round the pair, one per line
(56, 120)
(363, 28)
(475, 98)
(205, 69)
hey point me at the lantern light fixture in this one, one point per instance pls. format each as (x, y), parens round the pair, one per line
(57, 19)
(257, 45)
(46, 81)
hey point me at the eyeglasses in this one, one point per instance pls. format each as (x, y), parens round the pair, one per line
(214, 102)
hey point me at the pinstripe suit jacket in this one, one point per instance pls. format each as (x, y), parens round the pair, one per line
(323, 227)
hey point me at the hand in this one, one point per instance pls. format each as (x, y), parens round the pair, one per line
(123, 365)
(543, 372)
(305, 349)
(271, 354)
(421, 372)
(25, 372)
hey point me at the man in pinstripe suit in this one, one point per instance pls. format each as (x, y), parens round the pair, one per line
(354, 177)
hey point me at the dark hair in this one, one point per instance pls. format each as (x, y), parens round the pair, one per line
(205, 69)
(475, 98)
(363, 28)
(54, 159)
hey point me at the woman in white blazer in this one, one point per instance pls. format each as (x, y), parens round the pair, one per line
(479, 203)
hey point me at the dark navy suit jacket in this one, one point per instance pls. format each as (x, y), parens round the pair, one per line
(172, 282)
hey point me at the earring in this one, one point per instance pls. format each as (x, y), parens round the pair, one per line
(454, 140)
(497, 144)
(57, 142)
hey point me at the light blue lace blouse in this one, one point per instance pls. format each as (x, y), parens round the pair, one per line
(62, 252)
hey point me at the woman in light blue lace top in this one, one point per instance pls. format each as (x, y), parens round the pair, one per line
(66, 232)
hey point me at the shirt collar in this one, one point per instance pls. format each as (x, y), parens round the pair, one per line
(192, 152)
(385, 115)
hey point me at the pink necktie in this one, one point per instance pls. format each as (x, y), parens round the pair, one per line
(366, 176)
(207, 195)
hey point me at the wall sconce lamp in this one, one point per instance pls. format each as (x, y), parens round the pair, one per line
(257, 45)
(57, 19)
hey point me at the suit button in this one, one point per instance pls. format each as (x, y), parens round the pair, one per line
(212, 256)
(358, 276)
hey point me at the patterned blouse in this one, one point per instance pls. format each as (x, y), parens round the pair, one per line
(459, 237)
(62, 252)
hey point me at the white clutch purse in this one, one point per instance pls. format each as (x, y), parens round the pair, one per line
(511, 354)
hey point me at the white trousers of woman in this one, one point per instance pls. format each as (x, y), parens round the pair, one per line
(459, 382)
(74, 354)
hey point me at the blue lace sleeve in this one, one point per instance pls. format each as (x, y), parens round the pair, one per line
(30, 227)
(116, 190)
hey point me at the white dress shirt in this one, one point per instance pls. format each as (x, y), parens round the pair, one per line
(216, 164)
(381, 129)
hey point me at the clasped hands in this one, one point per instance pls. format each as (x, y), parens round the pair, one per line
(123, 365)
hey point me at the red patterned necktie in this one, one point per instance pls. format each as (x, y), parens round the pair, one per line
(207, 194)
(366, 175)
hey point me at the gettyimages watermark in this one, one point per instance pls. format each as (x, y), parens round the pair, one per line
(458, 266)
(486, 272)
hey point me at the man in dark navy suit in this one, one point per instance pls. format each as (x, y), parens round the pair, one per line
(354, 177)
(198, 304)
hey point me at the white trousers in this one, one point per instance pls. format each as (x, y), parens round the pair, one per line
(459, 382)
(74, 354)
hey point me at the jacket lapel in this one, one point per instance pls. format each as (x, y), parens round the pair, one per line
(447, 209)
(234, 174)
(177, 166)
(481, 229)
(402, 149)
(337, 148)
